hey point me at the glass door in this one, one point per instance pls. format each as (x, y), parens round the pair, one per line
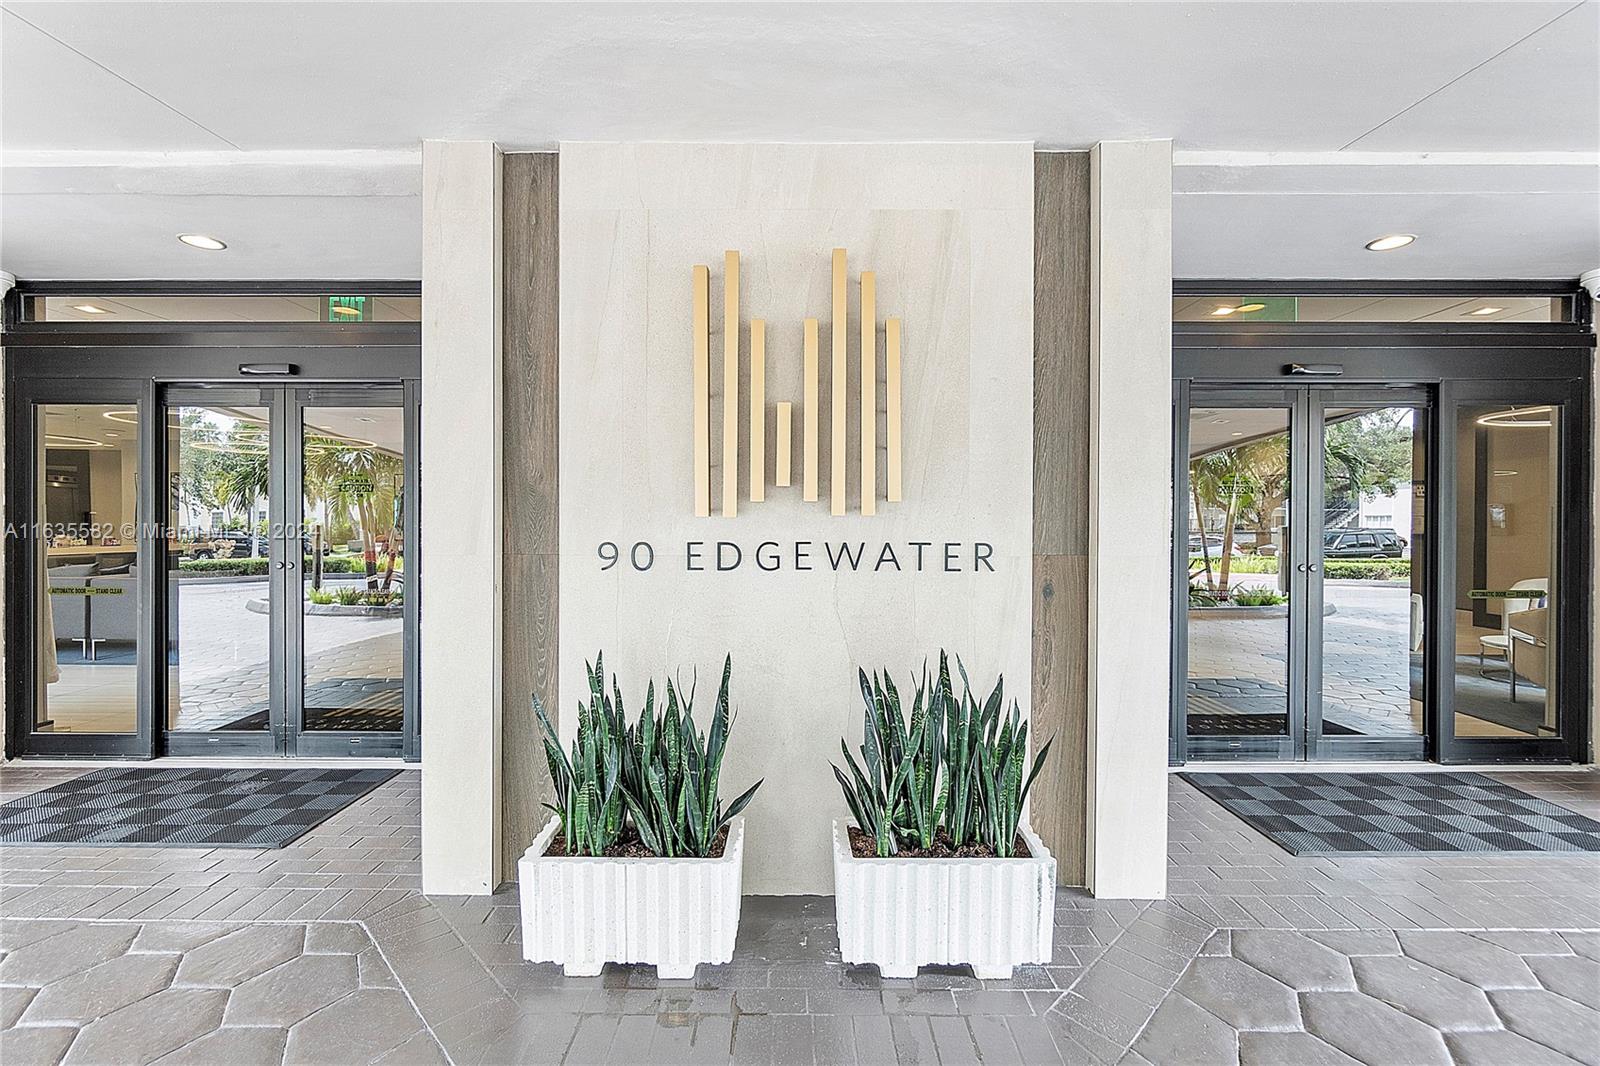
(348, 645)
(225, 572)
(285, 611)
(1509, 692)
(1366, 565)
(1237, 633)
(1301, 630)
(79, 572)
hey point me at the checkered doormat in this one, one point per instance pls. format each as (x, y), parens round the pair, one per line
(186, 807)
(1386, 814)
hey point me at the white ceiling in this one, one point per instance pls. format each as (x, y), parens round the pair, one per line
(1303, 129)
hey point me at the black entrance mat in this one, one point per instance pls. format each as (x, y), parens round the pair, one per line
(191, 806)
(1390, 814)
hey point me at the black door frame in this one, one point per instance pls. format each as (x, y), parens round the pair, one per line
(1455, 360)
(91, 362)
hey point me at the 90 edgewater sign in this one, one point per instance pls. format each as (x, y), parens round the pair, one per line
(835, 556)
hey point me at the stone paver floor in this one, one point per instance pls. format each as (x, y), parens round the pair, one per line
(326, 951)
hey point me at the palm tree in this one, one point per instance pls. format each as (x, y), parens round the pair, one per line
(358, 482)
(1226, 481)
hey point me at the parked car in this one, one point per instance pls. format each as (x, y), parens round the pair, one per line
(229, 544)
(1362, 543)
(1210, 545)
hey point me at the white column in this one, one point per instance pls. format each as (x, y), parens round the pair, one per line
(461, 483)
(1130, 516)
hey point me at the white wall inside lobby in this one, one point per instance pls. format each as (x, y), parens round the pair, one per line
(948, 228)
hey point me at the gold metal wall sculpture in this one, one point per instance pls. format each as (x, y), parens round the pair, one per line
(810, 404)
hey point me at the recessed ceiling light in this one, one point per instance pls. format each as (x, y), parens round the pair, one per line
(90, 309)
(1390, 242)
(340, 309)
(1505, 473)
(1237, 433)
(1486, 311)
(1245, 309)
(200, 240)
(1223, 311)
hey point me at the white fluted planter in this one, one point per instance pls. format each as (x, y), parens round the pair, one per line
(993, 914)
(584, 912)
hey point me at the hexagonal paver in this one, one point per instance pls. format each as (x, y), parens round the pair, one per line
(54, 957)
(233, 959)
(253, 1046)
(180, 936)
(1181, 1033)
(1572, 976)
(1498, 1047)
(359, 1027)
(1475, 961)
(1552, 1020)
(14, 999)
(1240, 994)
(1297, 961)
(146, 1030)
(1358, 941)
(1302, 1049)
(336, 938)
(99, 990)
(1426, 994)
(35, 1043)
(1372, 1031)
(286, 994)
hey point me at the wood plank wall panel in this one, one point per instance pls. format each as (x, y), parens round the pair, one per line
(1060, 502)
(530, 304)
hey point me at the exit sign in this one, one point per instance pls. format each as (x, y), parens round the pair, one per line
(347, 309)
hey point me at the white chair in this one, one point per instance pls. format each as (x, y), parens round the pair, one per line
(1500, 643)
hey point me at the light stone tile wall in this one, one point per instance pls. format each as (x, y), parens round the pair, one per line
(949, 230)
(461, 520)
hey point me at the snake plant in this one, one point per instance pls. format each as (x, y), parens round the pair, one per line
(954, 770)
(589, 783)
(672, 773)
(662, 774)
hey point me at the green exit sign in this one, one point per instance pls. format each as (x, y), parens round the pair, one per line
(347, 309)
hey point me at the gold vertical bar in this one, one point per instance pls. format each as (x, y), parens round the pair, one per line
(808, 453)
(730, 384)
(758, 410)
(837, 415)
(702, 392)
(785, 441)
(869, 392)
(891, 339)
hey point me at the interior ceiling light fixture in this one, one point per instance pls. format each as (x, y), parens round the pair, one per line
(340, 309)
(63, 440)
(90, 309)
(1223, 311)
(200, 240)
(1487, 311)
(1245, 309)
(127, 418)
(1505, 473)
(1520, 417)
(1390, 241)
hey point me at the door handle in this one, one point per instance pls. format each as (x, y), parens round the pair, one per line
(1312, 567)
(290, 565)
(278, 565)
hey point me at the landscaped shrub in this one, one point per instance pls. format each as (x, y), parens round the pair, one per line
(1367, 569)
(952, 777)
(659, 778)
(1256, 596)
